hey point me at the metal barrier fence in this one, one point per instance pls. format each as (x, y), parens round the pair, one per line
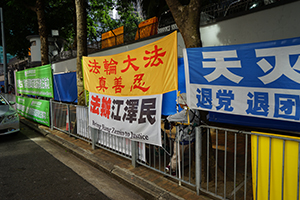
(236, 164)
(222, 163)
(224, 8)
(118, 145)
(63, 117)
(159, 158)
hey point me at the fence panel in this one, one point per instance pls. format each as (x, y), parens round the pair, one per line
(59, 116)
(118, 145)
(159, 158)
(248, 165)
(223, 163)
(83, 130)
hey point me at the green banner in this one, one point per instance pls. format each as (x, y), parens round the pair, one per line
(37, 81)
(35, 109)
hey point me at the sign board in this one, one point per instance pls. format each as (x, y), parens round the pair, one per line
(125, 90)
(148, 70)
(37, 110)
(135, 118)
(257, 80)
(35, 81)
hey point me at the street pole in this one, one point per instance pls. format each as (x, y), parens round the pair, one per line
(4, 52)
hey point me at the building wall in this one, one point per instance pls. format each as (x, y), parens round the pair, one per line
(35, 48)
(276, 23)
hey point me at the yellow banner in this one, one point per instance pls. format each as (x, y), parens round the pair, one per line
(148, 70)
(273, 161)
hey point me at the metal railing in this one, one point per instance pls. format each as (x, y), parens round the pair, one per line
(64, 118)
(128, 36)
(160, 158)
(235, 164)
(224, 8)
(223, 163)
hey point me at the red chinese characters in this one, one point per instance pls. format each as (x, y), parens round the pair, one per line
(150, 58)
(95, 68)
(105, 107)
(138, 84)
(95, 104)
(118, 85)
(154, 60)
(129, 61)
(102, 83)
(110, 67)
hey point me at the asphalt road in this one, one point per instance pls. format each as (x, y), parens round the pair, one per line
(31, 167)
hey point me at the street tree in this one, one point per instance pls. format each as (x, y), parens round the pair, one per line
(94, 17)
(35, 17)
(187, 18)
(186, 14)
(81, 17)
(18, 23)
(43, 32)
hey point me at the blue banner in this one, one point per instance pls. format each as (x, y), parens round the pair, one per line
(65, 87)
(256, 80)
(169, 104)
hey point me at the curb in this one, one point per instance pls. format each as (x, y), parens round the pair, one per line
(144, 187)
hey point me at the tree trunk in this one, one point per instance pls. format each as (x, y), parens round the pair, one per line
(187, 19)
(81, 46)
(74, 45)
(40, 12)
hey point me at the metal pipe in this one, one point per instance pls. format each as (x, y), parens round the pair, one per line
(216, 166)
(298, 170)
(69, 119)
(256, 168)
(207, 158)
(234, 178)
(246, 163)
(133, 153)
(270, 149)
(51, 114)
(225, 164)
(198, 158)
(190, 159)
(282, 177)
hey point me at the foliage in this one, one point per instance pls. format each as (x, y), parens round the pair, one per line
(17, 25)
(100, 22)
(20, 21)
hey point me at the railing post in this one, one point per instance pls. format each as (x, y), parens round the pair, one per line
(133, 153)
(51, 114)
(93, 137)
(198, 157)
(69, 121)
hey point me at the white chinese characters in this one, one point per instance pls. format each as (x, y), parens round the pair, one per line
(221, 66)
(282, 63)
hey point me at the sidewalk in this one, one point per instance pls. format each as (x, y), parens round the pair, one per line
(147, 182)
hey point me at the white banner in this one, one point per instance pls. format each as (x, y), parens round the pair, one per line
(255, 80)
(135, 118)
(119, 144)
